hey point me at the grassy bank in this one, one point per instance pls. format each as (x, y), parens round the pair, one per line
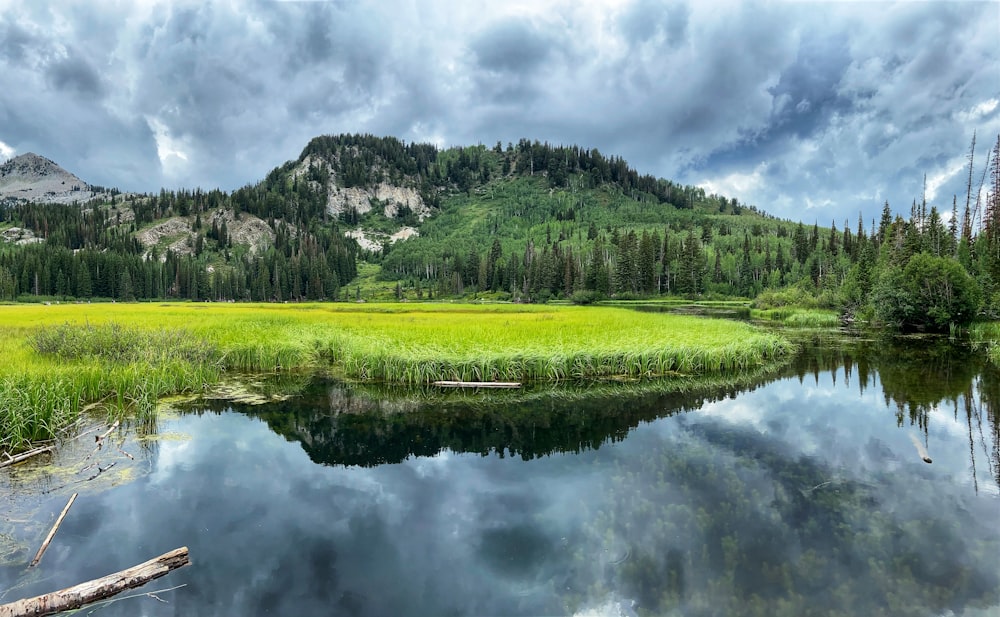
(795, 317)
(60, 358)
(986, 335)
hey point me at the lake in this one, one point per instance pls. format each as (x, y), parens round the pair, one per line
(800, 492)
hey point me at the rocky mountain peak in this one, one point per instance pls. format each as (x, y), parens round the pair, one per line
(29, 163)
(35, 178)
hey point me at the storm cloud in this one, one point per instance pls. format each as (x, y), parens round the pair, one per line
(814, 111)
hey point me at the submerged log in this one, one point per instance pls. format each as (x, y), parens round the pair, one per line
(11, 460)
(97, 589)
(478, 384)
(52, 533)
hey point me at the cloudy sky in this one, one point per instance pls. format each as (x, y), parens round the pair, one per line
(812, 111)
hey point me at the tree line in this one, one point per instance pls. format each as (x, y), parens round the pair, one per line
(529, 222)
(93, 252)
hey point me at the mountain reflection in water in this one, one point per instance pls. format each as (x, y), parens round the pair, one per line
(799, 493)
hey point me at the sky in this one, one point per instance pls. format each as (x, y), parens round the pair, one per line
(810, 111)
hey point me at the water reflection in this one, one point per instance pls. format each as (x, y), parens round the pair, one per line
(340, 424)
(795, 494)
(920, 378)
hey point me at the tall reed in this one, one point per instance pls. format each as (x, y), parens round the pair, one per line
(795, 317)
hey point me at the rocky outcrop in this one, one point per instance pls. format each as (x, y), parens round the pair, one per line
(178, 229)
(385, 196)
(244, 229)
(179, 233)
(18, 235)
(372, 240)
(388, 197)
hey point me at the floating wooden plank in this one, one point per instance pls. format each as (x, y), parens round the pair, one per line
(52, 533)
(478, 384)
(97, 589)
(11, 460)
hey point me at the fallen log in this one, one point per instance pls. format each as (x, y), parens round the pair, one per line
(97, 589)
(52, 533)
(11, 460)
(921, 451)
(477, 384)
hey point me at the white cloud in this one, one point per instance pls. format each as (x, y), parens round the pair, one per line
(173, 158)
(978, 111)
(938, 178)
(840, 100)
(737, 184)
(6, 151)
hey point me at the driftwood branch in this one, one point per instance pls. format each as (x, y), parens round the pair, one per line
(97, 589)
(52, 532)
(100, 439)
(101, 470)
(86, 432)
(11, 460)
(477, 384)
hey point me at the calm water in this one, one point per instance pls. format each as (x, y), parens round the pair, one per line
(801, 494)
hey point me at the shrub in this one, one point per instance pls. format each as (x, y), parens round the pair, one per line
(929, 292)
(792, 296)
(585, 297)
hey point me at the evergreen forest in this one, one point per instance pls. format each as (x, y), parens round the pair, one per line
(524, 222)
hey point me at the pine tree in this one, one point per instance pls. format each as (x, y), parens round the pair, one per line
(84, 286)
(626, 273)
(691, 265)
(8, 290)
(491, 263)
(647, 264)
(885, 223)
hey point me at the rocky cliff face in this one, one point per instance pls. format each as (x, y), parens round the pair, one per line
(388, 197)
(178, 234)
(35, 178)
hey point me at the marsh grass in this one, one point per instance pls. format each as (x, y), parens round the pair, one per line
(53, 373)
(795, 317)
(120, 344)
(986, 335)
(59, 359)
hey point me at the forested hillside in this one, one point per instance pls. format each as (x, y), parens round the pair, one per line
(524, 222)
(266, 242)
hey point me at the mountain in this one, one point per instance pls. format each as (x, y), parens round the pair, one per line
(375, 218)
(385, 218)
(35, 178)
(527, 221)
(388, 218)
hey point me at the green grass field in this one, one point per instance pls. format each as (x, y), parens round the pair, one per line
(60, 358)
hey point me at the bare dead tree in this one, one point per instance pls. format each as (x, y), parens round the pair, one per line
(968, 222)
